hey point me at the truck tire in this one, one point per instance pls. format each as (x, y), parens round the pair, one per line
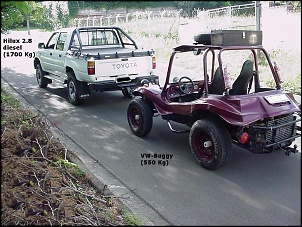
(140, 117)
(210, 143)
(72, 90)
(41, 80)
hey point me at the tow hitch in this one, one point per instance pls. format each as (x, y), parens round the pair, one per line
(288, 150)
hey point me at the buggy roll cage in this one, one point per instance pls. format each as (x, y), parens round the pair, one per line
(198, 48)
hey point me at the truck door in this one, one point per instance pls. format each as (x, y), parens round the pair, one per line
(46, 56)
(59, 56)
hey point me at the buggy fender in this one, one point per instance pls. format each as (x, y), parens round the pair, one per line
(245, 109)
(147, 91)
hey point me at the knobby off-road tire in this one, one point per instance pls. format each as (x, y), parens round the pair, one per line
(72, 90)
(140, 117)
(210, 143)
(41, 80)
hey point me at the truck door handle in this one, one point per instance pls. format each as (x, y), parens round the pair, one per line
(50, 53)
(60, 55)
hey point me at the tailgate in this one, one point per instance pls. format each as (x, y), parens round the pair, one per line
(119, 67)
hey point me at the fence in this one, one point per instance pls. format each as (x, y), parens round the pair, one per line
(173, 25)
(232, 17)
(99, 18)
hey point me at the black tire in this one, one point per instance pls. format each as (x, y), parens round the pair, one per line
(210, 143)
(41, 80)
(72, 90)
(140, 117)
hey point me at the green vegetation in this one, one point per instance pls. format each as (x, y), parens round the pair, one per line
(291, 85)
(6, 98)
(73, 168)
(16, 14)
(131, 219)
(31, 14)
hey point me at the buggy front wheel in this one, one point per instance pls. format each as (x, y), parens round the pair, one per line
(140, 117)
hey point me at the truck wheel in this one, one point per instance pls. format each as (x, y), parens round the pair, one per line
(72, 90)
(210, 143)
(42, 81)
(140, 117)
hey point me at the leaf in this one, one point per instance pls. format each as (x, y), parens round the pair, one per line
(23, 6)
(31, 183)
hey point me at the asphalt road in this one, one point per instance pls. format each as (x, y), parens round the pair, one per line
(250, 190)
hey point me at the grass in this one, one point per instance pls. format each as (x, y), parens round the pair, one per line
(6, 98)
(131, 219)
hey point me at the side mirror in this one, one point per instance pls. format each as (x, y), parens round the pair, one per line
(41, 45)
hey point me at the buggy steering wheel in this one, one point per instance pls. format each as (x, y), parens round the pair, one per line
(186, 87)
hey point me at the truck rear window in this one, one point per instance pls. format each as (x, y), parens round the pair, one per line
(97, 37)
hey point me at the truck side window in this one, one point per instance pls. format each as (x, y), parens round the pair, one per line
(75, 41)
(52, 41)
(61, 41)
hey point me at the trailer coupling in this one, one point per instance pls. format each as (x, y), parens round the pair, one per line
(289, 150)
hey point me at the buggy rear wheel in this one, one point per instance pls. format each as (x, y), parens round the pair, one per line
(211, 143)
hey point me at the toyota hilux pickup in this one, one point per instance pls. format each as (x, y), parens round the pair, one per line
(215, 90)
(102, 58)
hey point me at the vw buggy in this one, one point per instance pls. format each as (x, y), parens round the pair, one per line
(216, 87)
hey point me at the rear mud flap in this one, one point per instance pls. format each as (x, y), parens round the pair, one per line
(84, 91)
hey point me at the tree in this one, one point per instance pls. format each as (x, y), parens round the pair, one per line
(62, 16)
(14, 13)
(296, 4)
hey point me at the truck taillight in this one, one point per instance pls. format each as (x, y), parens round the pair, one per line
(153, 62)
(90, 68)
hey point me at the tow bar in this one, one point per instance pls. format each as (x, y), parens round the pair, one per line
(289, 150)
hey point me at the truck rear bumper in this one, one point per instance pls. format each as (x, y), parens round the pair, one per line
(111, 85)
